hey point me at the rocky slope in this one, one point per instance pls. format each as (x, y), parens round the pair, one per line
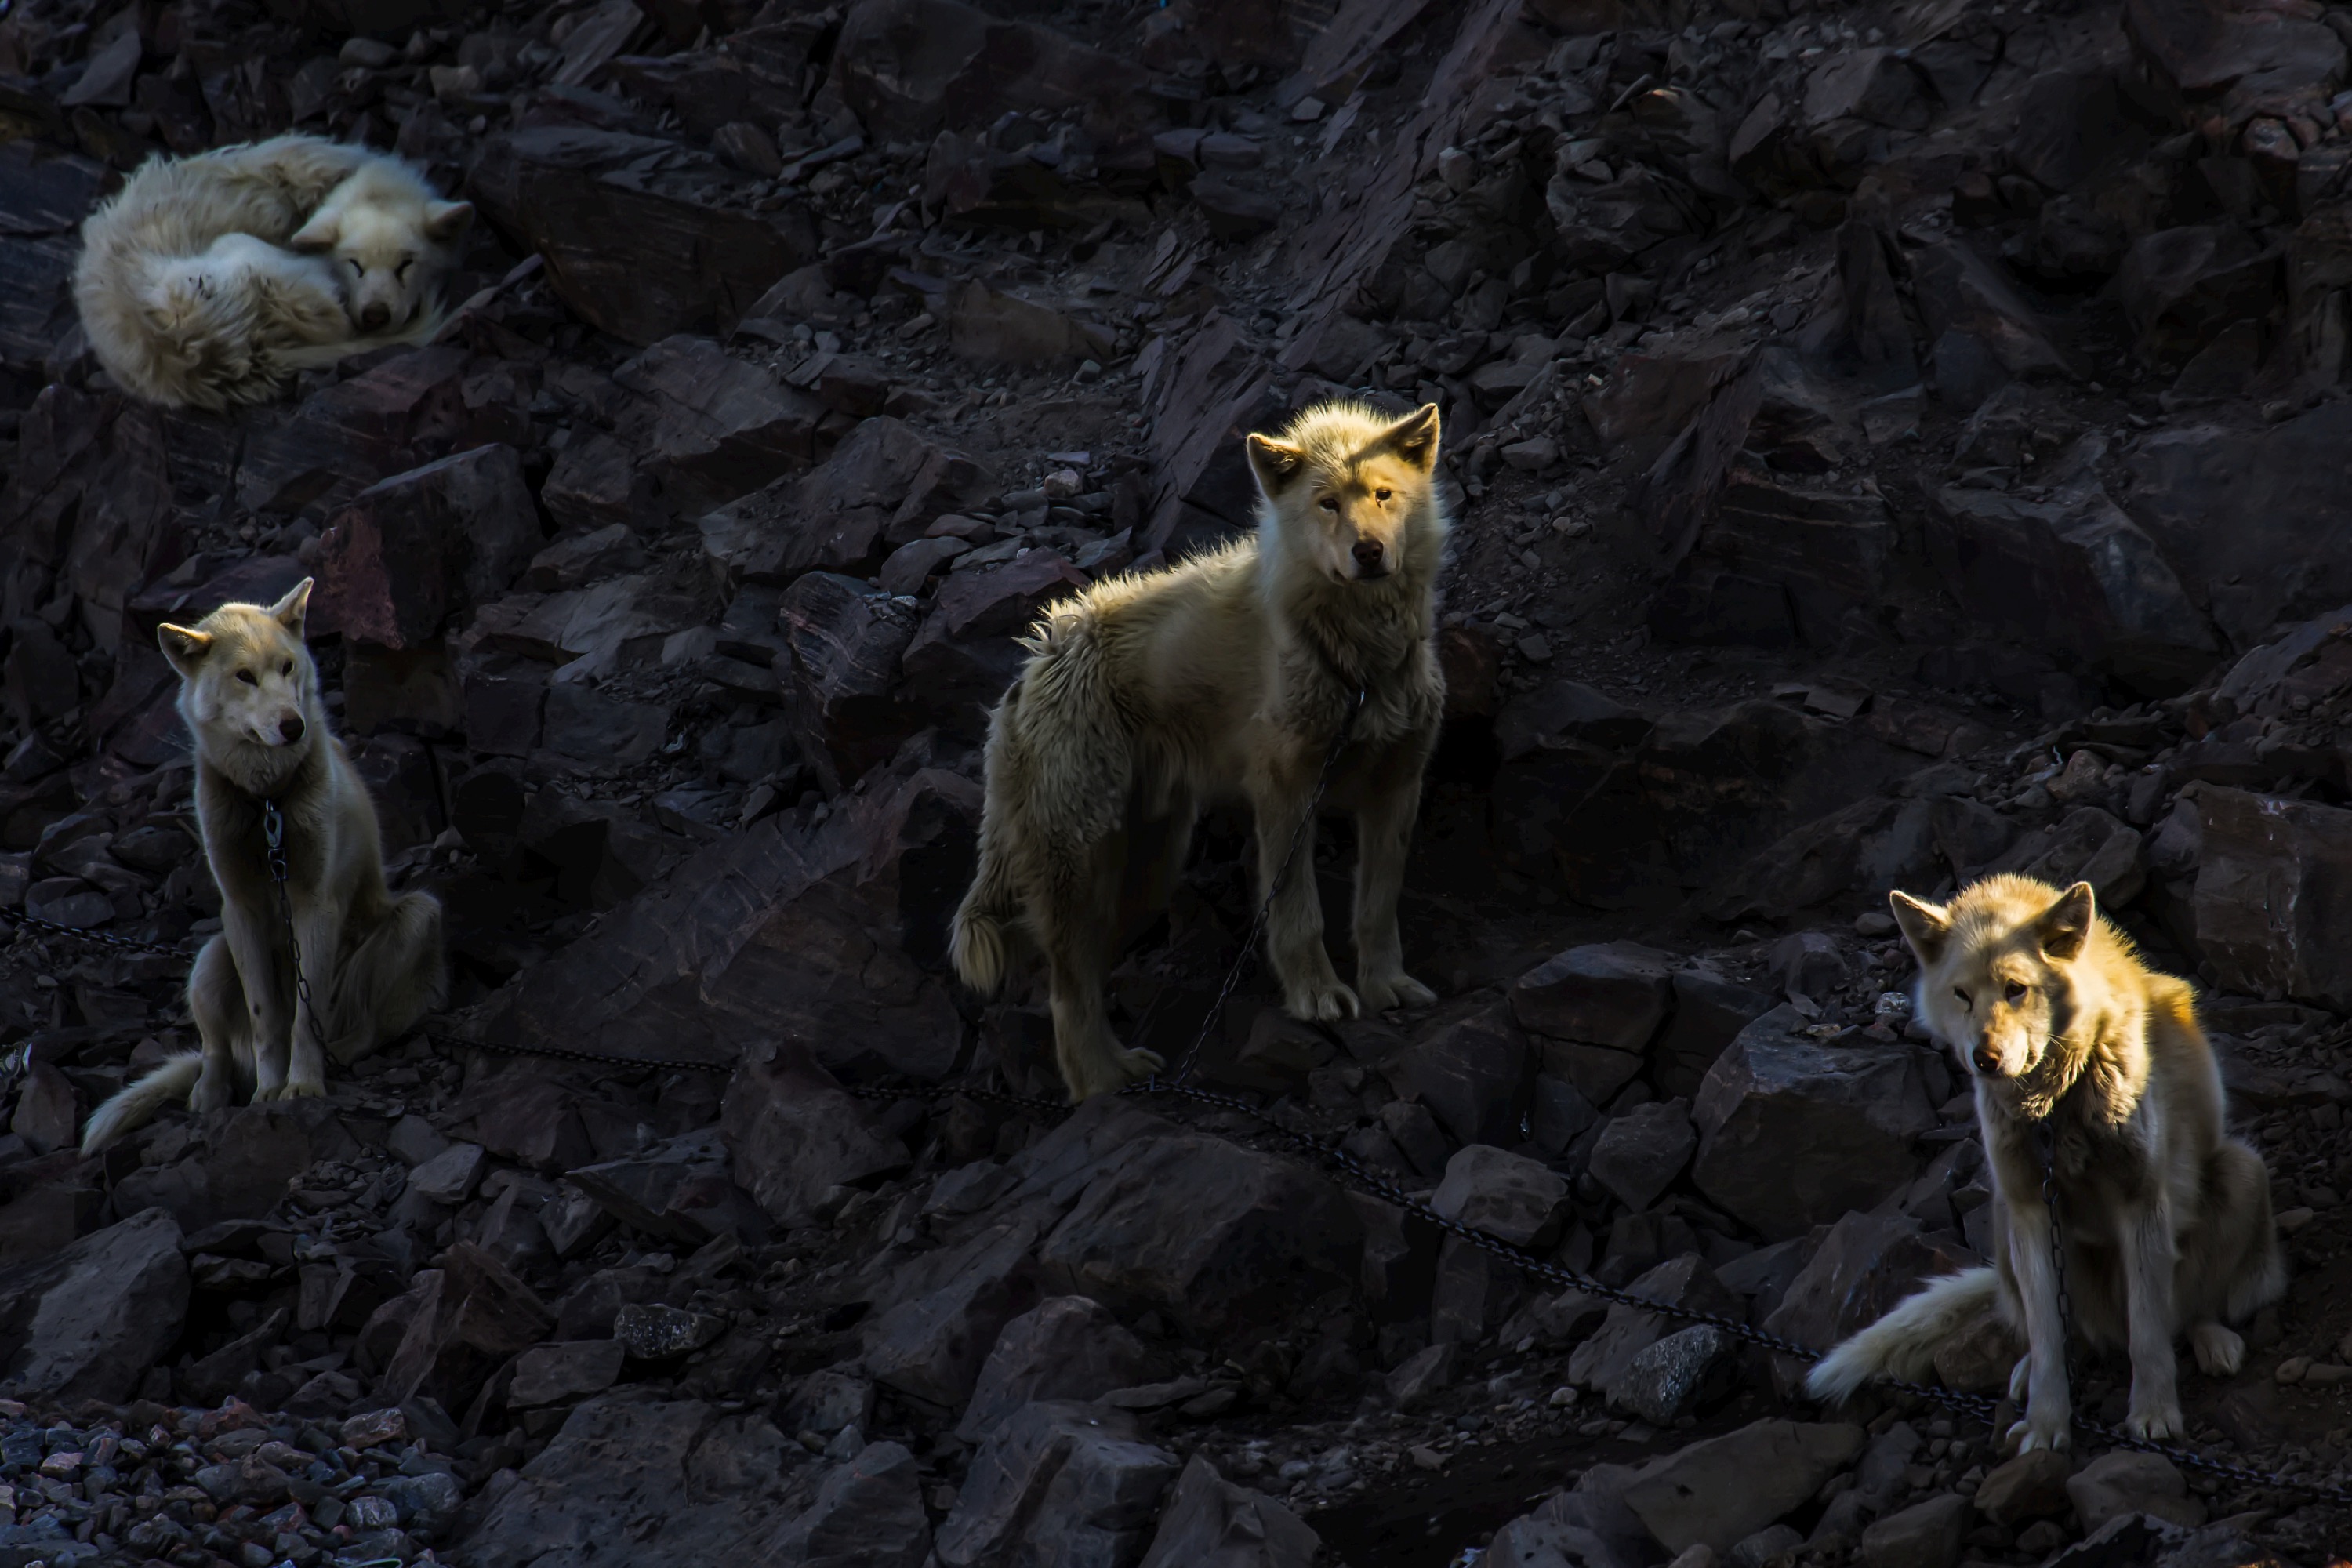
(1888, 444)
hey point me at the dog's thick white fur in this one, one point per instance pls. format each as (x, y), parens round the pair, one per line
(2166, 1219)
(392, 240)
(193, 291)
(373, 963)
(1227, 676)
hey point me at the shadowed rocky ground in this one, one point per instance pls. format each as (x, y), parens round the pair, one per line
(1888, 444)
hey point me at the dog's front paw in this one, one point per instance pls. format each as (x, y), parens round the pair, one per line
(1322, 1002)
(1384, 992)
(2159, 1421)
(214, 1091)
(2030, 1434)
(2220, 1351)
(302, 1089)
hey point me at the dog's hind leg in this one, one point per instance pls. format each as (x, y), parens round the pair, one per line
(1281, 794)
(2220, 1351)
(391, 980)
(1383, 837)
(2238, 1212)
(1074, 913)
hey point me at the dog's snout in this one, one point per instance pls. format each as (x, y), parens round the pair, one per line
(1986, 1061)
(375, 316)
(1369, 555)
(289, 728)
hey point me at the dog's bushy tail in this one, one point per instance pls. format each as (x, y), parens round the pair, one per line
(1904, 1342)
(135, 1104)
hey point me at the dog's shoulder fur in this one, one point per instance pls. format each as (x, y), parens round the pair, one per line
(179, 317)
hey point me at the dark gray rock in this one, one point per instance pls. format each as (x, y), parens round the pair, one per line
(1678, 1375)
(1793, 1133)
(1210, 1522)
(1507, 1195)
(644, 1483)
(793, 1136)
(1639, 1155)
(1472, 1073)
(1060, 1483)
(1066, 1347)
(87, 1322)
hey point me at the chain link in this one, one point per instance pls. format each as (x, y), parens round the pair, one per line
(273, 835)
(36, 924)
(565, 1054)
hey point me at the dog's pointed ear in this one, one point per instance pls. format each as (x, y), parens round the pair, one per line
(1275, 463)
(184, 646)
(1926, 927)
(2065, 926)
(288, 611)
(447, 221)
(1414, 437)
(320, 234)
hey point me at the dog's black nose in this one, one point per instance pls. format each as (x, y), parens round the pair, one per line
(1985, 1061)
(290, 728)
(375, 316)
(1368, 553)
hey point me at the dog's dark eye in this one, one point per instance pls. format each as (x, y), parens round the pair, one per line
(1962, 995)
(1380, 496)
(1329, 505)
(2015, 994)
(359, 269)
(400, 271)
(286, 668)
(246, 675)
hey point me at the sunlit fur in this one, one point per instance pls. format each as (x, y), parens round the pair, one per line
(249, 694)
(188, 288)
(1227, 676)
(2166, 1219)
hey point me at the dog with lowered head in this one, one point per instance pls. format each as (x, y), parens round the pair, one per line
(193, 290)
(2165, 1219)
(372, 962)
(1230, 675)
(392, 240)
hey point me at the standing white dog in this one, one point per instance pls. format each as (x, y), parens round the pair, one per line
(371, 963)
(1228, 676)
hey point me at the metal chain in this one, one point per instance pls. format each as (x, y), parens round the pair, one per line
(273, 834)
(35, 923)
(2045, 1139)
(565, 1054)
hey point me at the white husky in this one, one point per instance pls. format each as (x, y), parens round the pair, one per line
(372, 963)
(210, 280)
